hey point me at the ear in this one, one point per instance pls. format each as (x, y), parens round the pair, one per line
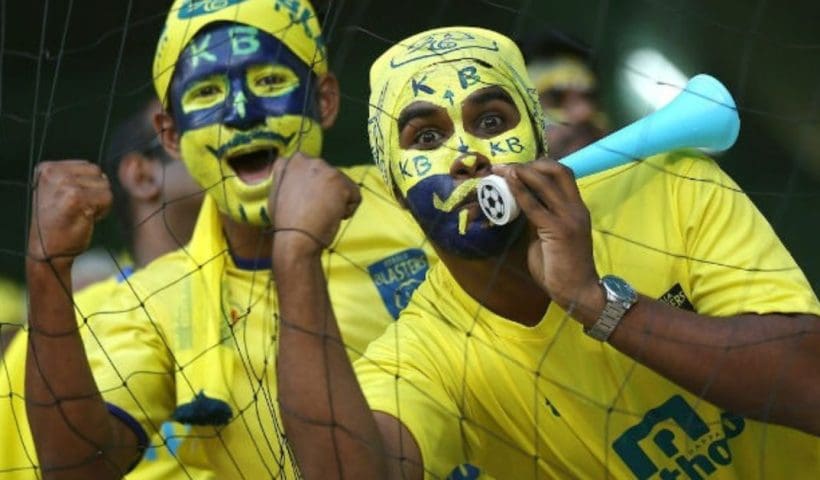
(328, 100)
(167, 132)
(141, 177)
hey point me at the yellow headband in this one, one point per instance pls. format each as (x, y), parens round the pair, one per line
(396, 68)
(563, 73)
(293, 22)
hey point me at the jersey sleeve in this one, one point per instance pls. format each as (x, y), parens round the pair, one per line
(737, 263)
(128, 357)
(400, 376)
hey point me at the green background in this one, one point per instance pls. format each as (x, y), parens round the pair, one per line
(69, 70)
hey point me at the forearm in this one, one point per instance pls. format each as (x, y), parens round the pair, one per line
(761, 366)
(328, 422)
(73, 432)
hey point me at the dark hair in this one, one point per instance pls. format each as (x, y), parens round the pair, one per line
(135, 134)
(549, 43)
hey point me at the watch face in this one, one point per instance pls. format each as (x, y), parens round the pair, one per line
(619, 288)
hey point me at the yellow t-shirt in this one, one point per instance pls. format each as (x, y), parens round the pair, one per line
(494, 397)
(379, 257)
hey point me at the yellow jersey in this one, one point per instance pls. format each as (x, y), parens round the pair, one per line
(486, 397)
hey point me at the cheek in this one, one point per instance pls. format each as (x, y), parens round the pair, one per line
(420, 197)
(195, 148)
(297, 133)
(514, 146)
(417, 165)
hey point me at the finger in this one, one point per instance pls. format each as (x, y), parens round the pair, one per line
(52, 171)
(93, 202)
(90, 181)
(280, 168)
(354, 199)
(541, 183)
(501, 169)
(536, 212)
(101, 200)
(562, 175)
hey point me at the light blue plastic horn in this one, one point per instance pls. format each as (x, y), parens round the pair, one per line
(702, 116)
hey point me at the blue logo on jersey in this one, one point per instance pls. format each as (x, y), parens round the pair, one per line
(397, 277)
(695, 457)
(465, 471)
(172, 435)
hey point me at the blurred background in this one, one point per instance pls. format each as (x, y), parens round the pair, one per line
(69, 70)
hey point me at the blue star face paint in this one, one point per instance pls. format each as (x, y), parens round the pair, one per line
(241, 99)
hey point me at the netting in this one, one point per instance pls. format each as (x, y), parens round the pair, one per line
(479, 392)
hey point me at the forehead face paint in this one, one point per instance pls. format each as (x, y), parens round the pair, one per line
(238, 75)
(444, 206)
(240, 100)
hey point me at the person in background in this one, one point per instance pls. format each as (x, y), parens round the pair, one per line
(156, 201)
(562, 71)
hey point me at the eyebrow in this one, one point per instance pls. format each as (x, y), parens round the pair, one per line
(489, 94)
(416, 110)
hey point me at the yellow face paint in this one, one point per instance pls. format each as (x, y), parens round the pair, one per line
(205, 93)
(459, 194)
(448, 86)
(463, 216)
(207, 152)
(271, 80)
(440, 69)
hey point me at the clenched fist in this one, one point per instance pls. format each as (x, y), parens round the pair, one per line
(309, 200)
(68, 198)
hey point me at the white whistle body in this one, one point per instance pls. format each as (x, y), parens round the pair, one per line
(496, 200)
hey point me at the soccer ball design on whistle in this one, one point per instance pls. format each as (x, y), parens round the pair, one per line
(496, 200)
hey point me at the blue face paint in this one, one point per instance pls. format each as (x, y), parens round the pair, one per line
(480, 240)
(224, 59)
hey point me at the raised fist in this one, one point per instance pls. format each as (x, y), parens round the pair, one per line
(68, 198)
(309, 200)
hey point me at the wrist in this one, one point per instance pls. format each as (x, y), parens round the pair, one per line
(587, 304)
(50, 265)
(294, 247)
(620, 298)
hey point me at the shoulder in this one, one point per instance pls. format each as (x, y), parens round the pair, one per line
(167, 268)
(369, 179)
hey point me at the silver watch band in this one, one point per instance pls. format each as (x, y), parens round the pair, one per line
(620, 297)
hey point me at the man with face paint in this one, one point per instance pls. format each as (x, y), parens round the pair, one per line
(515, 359)
(247, 93)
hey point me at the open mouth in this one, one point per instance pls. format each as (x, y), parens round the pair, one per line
(254, 167)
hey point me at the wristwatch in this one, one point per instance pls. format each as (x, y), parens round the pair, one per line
(620, 296)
